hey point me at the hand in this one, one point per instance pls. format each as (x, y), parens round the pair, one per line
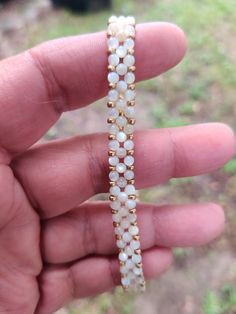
(54, 247)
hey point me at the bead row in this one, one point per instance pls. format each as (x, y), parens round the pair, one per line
(121, 119)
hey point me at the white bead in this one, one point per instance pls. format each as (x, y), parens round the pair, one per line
(129, 144)
(113, 113)
(123, 211)
(122, 197)
(129, 94)
(129, 264)
(133, 230)
(129, 43)
(129, 174)
(113, 175)
(114, 190)
(113, 145)
(120, 104)
(121, 69)
(135, 245)
(130, 189)
(129, 77)
(121, 182)
(130, 204)
(121, 51)
(129, 160)
(113, 160)
(129, 60)
(130, 20)
(120, 244)
(113, 59)
(136, 258)
(112, 42)
(125, 281)
(121, 153)
(113, 95)
(127, 237)
(121, 36)
(121, 121)
(137, 271)
(115, 205)
(131, 275)
(119, 231)
(121, 137)
(128, 250)
(129, 129)
(120, 167)
(132, 218)
(123, 270)
(124, 224)
(113, 77)
(114, 130)
(113, 27)
(130, 112)
(123, 256)
(130, 30)
(116, 218)
(121, 86)
(113, 19)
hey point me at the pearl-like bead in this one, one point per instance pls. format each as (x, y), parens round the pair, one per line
(129, 94)
(121, 86)
(120, 167)
(112, 42)
(129, 60)
(135, 245)
(121, 137)
(113, 77)
(123, 256)
(115, 205)
(129, 174)
(121, 51)
(113, 145)
(130, 189)
(114, 190)
(121, 69)
(129, 78)
(130, 112)
(125, 281)
(113, 175)
(129, 43)
(113, 95)
(121, 182)
(130, 204)
(121, 153)
(133, 230)
(121, 104)
(113, 59)
(127, 237)
(136, 258)
(121, 244)
(129, 160)
(121, 121)
(122, 197)
(129, 144)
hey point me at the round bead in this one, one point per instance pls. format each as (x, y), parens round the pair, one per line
(130, 20)
(128, 250)
(113, 145)
(133, 230)
(132, 218)
(112, 42)
(123, 211)
(113, 27)
(129, 264)
(120, 167)
(123, 256)
(124, 224)
(137, 271)
(121, 51)
(113, 175)
(129, 60)
(121, 104)
(129, 144)
(113, 130)
(121, 69)
(136, 258)
(115, 205)
(121, 182)
(121, 121)
(129, 129)
(121, 153)
(130, 189)
(127, 237)
(113, 95)
(113, 113)
(123, 270)
(121, 244)
(129, 94)
(113, 161)
(116, 218)
(121, 137)
(113, 77)
(130, 30)
(129, 77)
(114, 190)
(130, 112)
(129, 174)
(130, 204)
(119, 231)
(135, 245)
(113, 19)
(122, 197)
(129, 43)
(129, 160)
(121, 86)
(125, 281)
(121, 36)
(113, 59)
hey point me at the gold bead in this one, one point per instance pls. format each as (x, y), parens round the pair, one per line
(115, 224)
(114, 211)
(130, 167)
(111, 136)
(111, 153)
(110, 33)
(112, 198)
(136, 237)
(111, 50)
(130, 136)
(132, 197)
(131, 121)
(138, 251)
(122, 263)
(132, 86)
(112, 168)
(112, 183)
(130, 152)
(121, 113)
(111, 120)
(134, 223)
(132, 211)
(139, 265)
(131, 181)
(118, 237)
(111, 68)
(132, 68)
(131, 51)
(112, 85)
(111, 104)
(131, 103)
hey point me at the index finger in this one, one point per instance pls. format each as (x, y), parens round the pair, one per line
(64, 74)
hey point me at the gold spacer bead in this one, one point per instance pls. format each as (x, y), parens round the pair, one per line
(136, 237)
(130, 152)
(122, 263)
(130, 51)
(111, 68)
(112, 168)
(130, 167)
(111, 136)
(118, 237)
(112, 198)
(121, 113)
(110, 33)
(132, 68)
(111, 120)
(131, 181)
(111, 104)
(131, 121)
(125, 288)
(112, 183)
(143, 285)
(132, 36)
(111, 153)
(138, 251)
(114, 211)
(132, 197)
(139, 265)
(130, 136)
(132, 211)
(131, 103)
(134, 223)
(112, 85)
(115, 224)
(111, 50)
(132, 86)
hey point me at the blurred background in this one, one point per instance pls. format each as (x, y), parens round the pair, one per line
(202, 88)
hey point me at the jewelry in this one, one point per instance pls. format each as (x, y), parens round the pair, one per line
(121, 101)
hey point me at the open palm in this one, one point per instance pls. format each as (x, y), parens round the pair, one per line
(53, 246)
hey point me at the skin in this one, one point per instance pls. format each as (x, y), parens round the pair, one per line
(53, 246)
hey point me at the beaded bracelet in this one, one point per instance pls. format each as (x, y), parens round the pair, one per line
(121, 101)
